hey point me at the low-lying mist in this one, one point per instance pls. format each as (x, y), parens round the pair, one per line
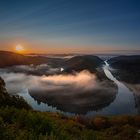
(84, 80)
(43, 69)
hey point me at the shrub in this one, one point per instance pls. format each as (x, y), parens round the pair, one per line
(100, 122)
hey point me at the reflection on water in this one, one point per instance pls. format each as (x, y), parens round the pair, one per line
(35, 105)
(39, 106)
(78, 103)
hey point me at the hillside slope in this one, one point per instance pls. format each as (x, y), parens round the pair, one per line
(127, 68)
(79, 63)
(86, 62)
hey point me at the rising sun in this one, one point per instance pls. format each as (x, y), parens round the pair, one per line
(19, 48)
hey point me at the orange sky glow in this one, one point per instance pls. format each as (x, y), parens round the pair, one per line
(55, 48)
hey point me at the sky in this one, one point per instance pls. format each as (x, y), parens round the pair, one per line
(70, 26)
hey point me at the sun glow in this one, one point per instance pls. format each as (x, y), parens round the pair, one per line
(19, 48)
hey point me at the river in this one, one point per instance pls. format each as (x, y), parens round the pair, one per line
(124, 102)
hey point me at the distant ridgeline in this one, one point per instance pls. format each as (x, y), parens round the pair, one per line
(11, 59)
(8, 100)
(77, 63)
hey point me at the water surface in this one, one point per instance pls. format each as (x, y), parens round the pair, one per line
(105, 102)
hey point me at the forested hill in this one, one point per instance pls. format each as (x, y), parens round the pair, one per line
(10, 59)
(127, 68)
